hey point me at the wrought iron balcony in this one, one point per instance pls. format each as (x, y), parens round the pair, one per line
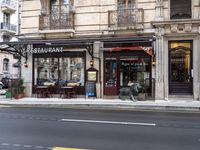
(125, 18)
(9, 6)
(8, 26)
(56, 21)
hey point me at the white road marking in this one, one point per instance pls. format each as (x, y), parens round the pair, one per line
(39, 147)
(27, 146)
(109, 122)
(17, 145)
(5, 144)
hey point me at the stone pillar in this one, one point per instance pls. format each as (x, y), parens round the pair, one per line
(196, 69)
(97, 65)
(159, 49)
(27, 75)
(159, 10)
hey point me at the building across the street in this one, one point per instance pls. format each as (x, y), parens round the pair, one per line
(112, 43)
(8, 28)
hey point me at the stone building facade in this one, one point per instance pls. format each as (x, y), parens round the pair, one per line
(155, 41)
(8, 28)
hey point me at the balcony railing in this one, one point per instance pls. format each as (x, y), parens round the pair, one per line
(125, 17)
(8, 26)
(56, 21)
(10, 4)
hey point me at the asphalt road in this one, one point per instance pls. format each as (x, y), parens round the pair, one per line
(42, 129)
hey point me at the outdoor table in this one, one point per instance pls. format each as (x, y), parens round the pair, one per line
(66, 91)
(42, 91)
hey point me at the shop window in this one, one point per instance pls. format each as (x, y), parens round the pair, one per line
(5, 64)
(134, 69)
(59, 71)
(180, 9)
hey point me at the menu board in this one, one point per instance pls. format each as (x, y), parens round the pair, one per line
(90, 89)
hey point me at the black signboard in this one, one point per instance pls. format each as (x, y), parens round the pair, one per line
(90, 89)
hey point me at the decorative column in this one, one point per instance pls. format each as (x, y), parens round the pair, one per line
(159, 52)
(159, 10)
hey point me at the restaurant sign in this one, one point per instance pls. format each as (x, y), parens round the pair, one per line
(43, 49)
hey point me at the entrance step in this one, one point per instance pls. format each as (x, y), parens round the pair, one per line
(181, 97)
(110, 97)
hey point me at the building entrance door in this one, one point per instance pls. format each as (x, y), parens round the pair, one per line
(180, 67)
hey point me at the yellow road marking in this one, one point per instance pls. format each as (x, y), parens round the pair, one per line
(63, 148)
(5, 106)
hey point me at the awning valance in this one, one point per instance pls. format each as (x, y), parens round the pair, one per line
(148, 50)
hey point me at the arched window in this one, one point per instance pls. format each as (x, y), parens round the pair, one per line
(5, 64)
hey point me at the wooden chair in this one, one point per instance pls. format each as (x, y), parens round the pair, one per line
(73, 94)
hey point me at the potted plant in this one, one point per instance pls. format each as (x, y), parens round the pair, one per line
(18, 89)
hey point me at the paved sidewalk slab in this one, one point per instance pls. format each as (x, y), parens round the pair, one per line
(163, 105)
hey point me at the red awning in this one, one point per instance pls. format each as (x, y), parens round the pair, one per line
(148, 50)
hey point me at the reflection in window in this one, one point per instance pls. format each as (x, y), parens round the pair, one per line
(59, 71)
(110, 71)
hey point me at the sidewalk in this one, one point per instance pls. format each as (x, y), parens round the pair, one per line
(115, 104)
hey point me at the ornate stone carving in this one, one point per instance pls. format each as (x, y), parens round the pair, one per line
(174, 28)
(188, 27)
(159, 32)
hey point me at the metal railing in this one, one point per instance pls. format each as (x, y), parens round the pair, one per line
(60, 17)
(58, 21)
(8, 26)
(125, 17)
(9, 3)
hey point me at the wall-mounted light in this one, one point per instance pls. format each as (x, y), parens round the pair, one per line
(153, 63)
(91, 63)
(25, 65)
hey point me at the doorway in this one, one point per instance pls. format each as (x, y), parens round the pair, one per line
(180, 68)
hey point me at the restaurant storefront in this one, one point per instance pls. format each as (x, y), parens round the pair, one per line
(59, 69)
(60, 63)
(126, 65)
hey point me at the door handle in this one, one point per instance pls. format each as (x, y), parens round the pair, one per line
(192, 73)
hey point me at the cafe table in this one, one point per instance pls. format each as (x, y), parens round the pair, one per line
(67, 91)
(42, 91)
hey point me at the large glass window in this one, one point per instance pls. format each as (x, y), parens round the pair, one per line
(59, 71)
(134, 69)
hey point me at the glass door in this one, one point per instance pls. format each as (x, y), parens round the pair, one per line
(180, 68)
(110, 76)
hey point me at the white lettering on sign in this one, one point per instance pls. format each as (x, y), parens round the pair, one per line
(36, 50)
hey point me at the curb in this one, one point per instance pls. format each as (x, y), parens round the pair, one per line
(111, 107)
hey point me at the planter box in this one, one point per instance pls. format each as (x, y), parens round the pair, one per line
(8, 94)
(20, 95)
